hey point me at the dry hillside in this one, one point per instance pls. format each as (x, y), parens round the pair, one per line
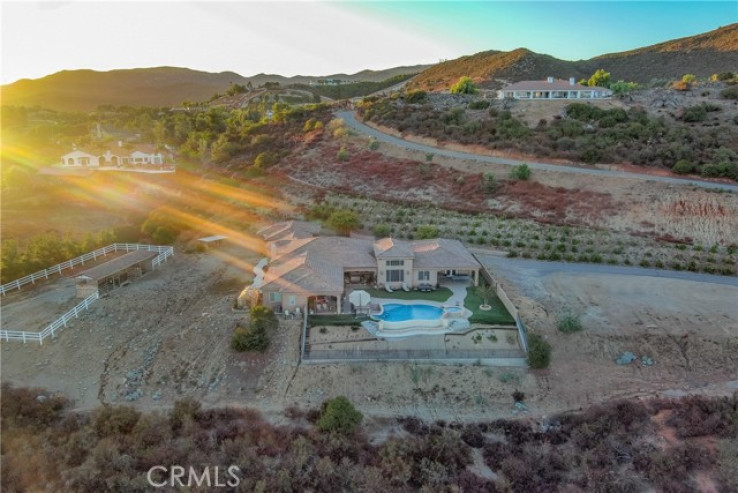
(702, 55)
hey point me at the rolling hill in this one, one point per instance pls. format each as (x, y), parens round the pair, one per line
(702, 55)
(85, 90)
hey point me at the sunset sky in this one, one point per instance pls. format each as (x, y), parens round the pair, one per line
(321, 38)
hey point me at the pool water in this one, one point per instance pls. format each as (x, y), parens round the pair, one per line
(400, 313)
(454, 309)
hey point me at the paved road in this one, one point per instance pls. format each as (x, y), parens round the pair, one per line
(513, 268)
(350, 120)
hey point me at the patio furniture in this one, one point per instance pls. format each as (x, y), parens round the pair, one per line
(388, 289)
(405, 288)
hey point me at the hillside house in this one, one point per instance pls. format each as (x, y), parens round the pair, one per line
(552, 89)
(142, 155)
(314, 272)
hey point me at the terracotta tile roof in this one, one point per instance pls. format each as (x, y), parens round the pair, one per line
(442, 253)
(392, 248)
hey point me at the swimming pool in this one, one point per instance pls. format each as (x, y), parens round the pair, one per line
(400, 313)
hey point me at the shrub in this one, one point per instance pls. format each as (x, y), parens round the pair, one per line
(343, 221)
(696, 113)
(263, 317)
(381, 230)
(249, 339)
(479, 105)
(729, 93)
(427, 232)
(489, 183)
(416, 97)
(265, 159)
(373, 144)
(339, 415)
(342, 154)
(569, 323)
(465, 85)
(539, 352)
(682, 167)
(115, 420)
(520, 172)
(689, 78)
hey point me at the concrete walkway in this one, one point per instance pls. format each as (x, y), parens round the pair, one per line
(458, 290)
(259, 273)
(351, 121)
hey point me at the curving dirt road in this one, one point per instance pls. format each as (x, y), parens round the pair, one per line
(351, 121)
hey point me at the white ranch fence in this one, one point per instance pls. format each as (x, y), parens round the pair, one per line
(17, 335)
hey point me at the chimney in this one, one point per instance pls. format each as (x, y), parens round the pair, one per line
(571, 81)
(550, 80)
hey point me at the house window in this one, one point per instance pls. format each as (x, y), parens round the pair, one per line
(292, 300)
(275, 297)
(395, 263)
(395, 275)
(423, 275)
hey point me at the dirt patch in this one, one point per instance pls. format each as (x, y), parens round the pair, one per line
(687, 328)
(160, 338)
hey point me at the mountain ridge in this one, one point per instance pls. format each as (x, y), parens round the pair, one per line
(702, 54)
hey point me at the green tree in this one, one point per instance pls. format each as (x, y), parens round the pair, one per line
(339, 415)
(465, 85)
(343, 221)
(599, 79)
(342, 154)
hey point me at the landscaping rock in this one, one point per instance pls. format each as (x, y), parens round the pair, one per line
(647, 361)
(626, 358)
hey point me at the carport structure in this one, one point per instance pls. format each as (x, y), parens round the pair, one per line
(114, 273)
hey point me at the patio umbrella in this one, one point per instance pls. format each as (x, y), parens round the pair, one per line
(360, 298)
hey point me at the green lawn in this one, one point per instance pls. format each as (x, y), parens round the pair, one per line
(497, 315)
(348, 319)
(440, 295)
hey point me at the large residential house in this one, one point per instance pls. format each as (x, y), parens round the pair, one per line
(142, 155)
(314, 272)
(552, 89)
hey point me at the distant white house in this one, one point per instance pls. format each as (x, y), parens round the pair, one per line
(142, 155)
(552, 89)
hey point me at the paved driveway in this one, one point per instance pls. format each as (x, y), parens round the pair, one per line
(351, 121)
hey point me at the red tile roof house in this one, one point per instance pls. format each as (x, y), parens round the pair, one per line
(552, 89)
(315, 271)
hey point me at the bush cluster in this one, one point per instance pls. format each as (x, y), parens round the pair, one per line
(255, 337)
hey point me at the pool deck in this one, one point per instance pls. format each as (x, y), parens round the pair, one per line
(458, 290)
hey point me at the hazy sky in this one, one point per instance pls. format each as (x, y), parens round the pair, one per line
(321, 38)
